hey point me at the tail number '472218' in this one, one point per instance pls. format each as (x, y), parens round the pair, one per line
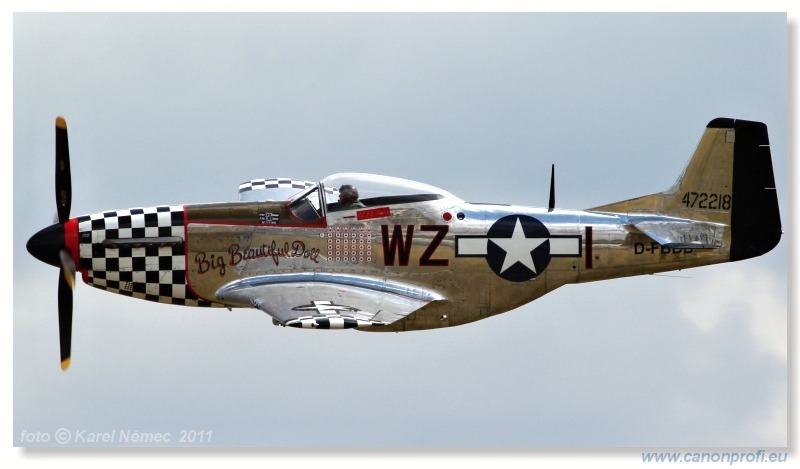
(707, 201)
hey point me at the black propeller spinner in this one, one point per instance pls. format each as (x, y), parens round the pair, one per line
(49, 244)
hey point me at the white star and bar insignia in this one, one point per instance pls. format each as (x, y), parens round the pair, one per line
(518, 247)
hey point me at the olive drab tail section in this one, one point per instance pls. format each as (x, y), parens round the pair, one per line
(728, 181)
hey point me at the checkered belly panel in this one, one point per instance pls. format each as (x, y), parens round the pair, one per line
(149, 271)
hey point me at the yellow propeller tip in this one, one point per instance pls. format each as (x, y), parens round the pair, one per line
(65, 364)
(60, 122)
(70, 279)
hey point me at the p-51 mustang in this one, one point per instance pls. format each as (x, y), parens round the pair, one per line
(405, 255)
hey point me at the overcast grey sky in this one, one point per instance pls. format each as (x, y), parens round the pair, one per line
(178, 108)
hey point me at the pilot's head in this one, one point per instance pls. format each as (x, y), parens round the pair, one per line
(348, 194)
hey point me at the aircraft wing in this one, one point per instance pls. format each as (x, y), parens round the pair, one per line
(327, 300)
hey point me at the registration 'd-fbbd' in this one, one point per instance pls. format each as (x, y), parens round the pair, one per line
(380, 253)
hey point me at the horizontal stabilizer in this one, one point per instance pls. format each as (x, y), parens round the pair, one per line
(679, 233)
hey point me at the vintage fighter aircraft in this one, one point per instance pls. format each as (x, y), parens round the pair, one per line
(407, 256)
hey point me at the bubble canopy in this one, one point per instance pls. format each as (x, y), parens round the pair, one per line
(373, 186)
(373, 191)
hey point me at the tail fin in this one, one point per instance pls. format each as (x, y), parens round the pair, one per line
(729, 180)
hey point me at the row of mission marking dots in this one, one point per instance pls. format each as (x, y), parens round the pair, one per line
(349, 243)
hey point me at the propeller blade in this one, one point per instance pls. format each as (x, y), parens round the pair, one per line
(65, 316)
(49, 244)
(63, 175)
(66, 278)
(68, 267)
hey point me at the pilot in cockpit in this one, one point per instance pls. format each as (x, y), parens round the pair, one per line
(348, 199)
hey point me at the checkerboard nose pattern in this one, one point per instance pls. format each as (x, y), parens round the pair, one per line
(148, 263)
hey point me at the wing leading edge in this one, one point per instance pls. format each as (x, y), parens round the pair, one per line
(327, 300)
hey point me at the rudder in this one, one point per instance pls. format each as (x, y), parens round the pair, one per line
(755, 217)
